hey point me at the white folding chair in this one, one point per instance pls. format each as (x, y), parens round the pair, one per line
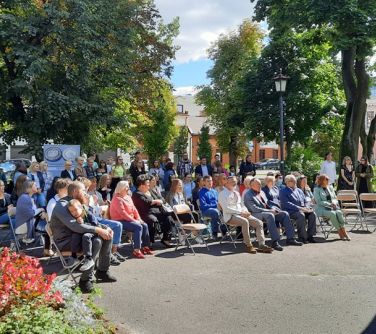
(228, 228)
(188, 233)
(350, 204)
(352, 215)
(205, 220)
(67, 266)
(369, 214)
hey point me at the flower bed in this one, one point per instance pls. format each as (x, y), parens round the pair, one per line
(32, 302)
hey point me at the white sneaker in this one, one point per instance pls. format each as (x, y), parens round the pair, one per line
(28, 240)
(199, 240)
(182, 240)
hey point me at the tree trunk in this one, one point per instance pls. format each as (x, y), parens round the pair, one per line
(355, 81)
(233, 150)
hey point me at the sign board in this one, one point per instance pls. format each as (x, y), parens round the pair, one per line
(56, 155)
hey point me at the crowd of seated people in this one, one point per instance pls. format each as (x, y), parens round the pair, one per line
(93, 202)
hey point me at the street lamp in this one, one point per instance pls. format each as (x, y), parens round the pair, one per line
(280, 86)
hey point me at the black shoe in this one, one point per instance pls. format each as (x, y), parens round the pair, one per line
(85, 286)
(105, 276)
(119, 257)
(114, 261)
(311, 240)
(277, 246)
(293, 242)
(163, 242)
(302, 240)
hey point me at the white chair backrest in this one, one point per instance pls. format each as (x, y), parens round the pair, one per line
(368, 197)
(181, 209)
(347, 197)
(22, 229)
(12, 211)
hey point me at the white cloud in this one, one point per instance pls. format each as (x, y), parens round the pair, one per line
(202, 21)
(186, 90)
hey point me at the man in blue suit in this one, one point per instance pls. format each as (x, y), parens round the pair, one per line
(294, 202)
(257, 203)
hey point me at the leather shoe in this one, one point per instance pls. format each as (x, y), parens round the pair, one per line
(311, 240)
(277, 246)
(302, 240)
(264, 249)
(167, 244)
(85, 286)
(293, 242)
(251, 249)
(105, 276)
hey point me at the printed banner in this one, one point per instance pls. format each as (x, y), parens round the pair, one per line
(56, 155)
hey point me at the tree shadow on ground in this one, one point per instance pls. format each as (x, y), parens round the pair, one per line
(371, 328)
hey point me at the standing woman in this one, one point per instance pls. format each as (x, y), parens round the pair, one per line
(36, 175)
(102, 169)
(364, 175)
(47, 176)
(169, 175)
(346, 175)
(117, 172)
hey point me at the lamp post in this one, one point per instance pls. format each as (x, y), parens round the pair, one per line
(280, 86)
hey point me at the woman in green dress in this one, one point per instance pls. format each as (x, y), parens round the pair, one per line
(327, 205)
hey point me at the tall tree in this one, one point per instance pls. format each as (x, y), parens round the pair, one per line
(65, 65)
(181, 142)
(159, 130)
(234, 55)
(312, 90)
(204, 147)
(351, 25)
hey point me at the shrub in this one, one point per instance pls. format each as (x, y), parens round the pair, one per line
(22, 279)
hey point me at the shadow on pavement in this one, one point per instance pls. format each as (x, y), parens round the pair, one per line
(371, 328)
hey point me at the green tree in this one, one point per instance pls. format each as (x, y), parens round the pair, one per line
(181, 142)
(312, 90)
(159, 130)
(67, 67)
(234, 56)
(204, 147)
(351, 25)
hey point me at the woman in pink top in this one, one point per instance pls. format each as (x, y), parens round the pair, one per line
(122, 209)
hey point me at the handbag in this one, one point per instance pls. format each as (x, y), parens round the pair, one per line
(166, 208)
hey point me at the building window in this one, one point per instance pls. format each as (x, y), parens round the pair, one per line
(180, 108)
(275, 154)
(261, 154)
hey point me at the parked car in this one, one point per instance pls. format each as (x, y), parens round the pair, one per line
(26, 162)
(268, 164)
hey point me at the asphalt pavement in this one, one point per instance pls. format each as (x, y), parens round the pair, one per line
(328, 287)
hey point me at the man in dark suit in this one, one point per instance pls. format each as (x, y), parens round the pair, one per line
(68, 173)
(294, 202)
(257, 203)
(203, 168)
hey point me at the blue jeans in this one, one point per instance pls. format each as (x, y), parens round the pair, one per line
(40, 200)
(272, 220)
(116, 227)
(140, 233)
(213, 214)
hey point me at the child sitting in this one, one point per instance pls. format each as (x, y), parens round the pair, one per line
(81, 241)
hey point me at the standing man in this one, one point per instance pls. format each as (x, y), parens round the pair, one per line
(256, 202)
(185, 166)
(217, 157)
(203, 168)
(63, 225)
(328, 167)
(295, 203)
(236, 214)
(247, 167)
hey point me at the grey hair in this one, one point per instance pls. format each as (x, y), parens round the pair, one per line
(289, 178)
(121, 186)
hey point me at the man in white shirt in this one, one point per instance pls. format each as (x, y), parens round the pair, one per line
(236, 214)
(328, 167)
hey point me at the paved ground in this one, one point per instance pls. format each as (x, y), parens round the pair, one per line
(318, 288)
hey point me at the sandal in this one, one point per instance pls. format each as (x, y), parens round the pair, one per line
(138, 255)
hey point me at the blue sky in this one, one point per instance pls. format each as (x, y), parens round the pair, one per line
(201, 23)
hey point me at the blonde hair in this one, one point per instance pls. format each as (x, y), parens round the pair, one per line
(247, 181)
(290, 177)
(121, 186)
(67, 162)
(103, 181)
(33, 164)
(268, 179)
(42, 164)
(344, 160)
